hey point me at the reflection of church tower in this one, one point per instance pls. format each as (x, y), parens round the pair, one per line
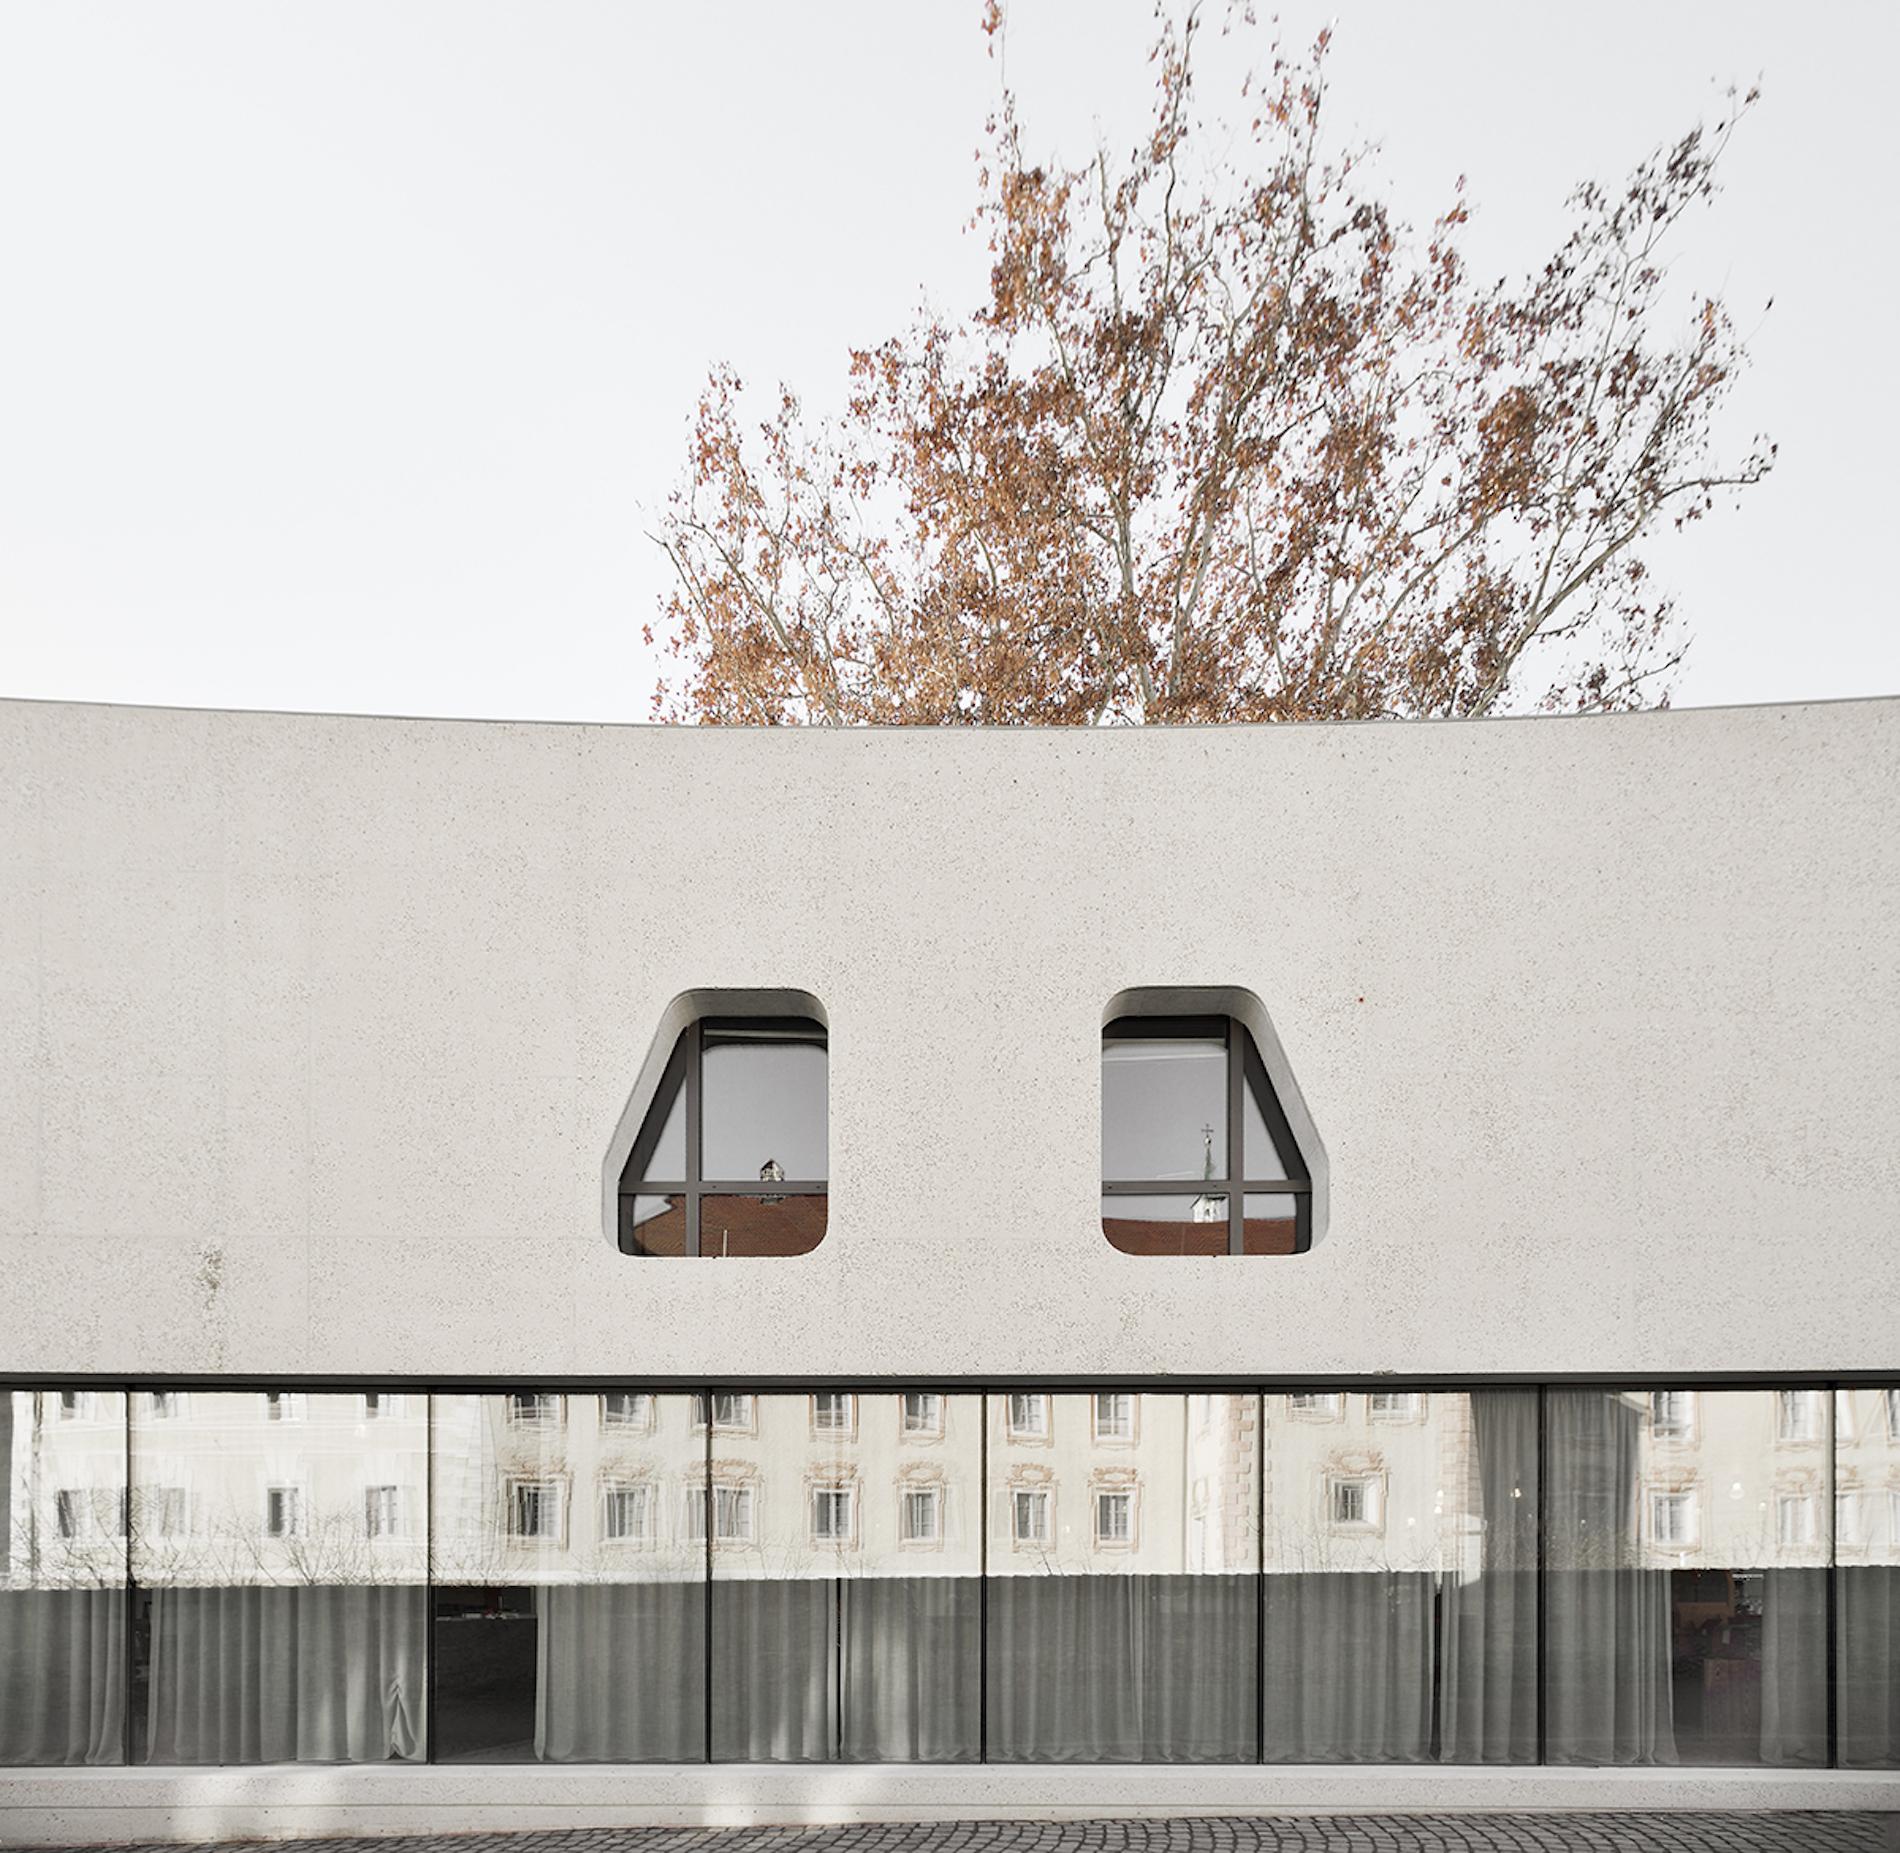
(1208, 1207)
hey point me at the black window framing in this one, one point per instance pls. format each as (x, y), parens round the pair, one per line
(1245, 1070)
(684, 1074)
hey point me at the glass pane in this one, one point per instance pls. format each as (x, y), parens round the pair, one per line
(1401, 1577)
(653, 1225)
(1164, 1108)
(570, 1565)
(1123, 1603)
(1166, 1225)
(1867, 1581)
(279, 1549)
(62, 1577)
(765, 1105)
(1258, 1153)
(1270, 1225)
(668, 1163)
(761, 1225)
(1686, 1579)
(846, 1591)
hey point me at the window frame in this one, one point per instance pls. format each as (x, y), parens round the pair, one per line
(684, 1074)
(1245, 1071)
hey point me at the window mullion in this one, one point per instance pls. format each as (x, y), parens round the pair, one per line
(693, 1174)
(1236, 1133)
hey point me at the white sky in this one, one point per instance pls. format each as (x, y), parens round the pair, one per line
(347, 346)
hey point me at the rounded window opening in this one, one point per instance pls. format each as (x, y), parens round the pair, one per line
(731, 1157)
(1197, 1155)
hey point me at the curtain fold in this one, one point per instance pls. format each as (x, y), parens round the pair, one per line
(1867, 1649)
(1121, 1669)
(1608, 1697)
(313, 1673)
(1794, 1668)
(910, 1650)
(62, 1676)
(1348, 1666)
(775, 1670)
(1488, 1675)
(621, 1673)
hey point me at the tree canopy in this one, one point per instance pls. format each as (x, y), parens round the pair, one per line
(1231, 448)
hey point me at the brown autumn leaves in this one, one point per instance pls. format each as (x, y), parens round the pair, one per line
(1248, 452)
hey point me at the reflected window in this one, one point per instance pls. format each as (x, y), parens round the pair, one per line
(733, 1155)
(920, 1515)
(1797, 1415)
(1797, 1520)
(1114, 1519)
(1672, 1519)
(727, 1410)
(1029, 1418)
(165, 1403)
(382, 1512)
(1030, 1516)
(1395, 1405)
(834, 1412)
(923, 1416)
(283, 1511)
(1197, 1155)
(1317, 1406)
(1354, 1502)
(1114, 1416)
(536, 1509)
(831, 1508)
(1672, 1415)
(626, 1512)
(534, 1409)
(626, 1409)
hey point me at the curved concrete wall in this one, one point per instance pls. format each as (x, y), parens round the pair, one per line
(315, 1032)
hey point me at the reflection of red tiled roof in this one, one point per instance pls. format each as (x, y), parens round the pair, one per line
(738, 1226)
(796, 1225)
(1262, 1235)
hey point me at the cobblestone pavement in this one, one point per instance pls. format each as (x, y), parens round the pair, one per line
(1464, 1833)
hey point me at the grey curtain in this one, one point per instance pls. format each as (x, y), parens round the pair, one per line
(1122, 1669)
(1488, 1670)
(314, 1673)
(1607, 1627)
(1348, 1666)
(775, 1671)
(621, 1673)
(1867, 1648)
(62, 1675)
(1794, 1668)
(911, 1651)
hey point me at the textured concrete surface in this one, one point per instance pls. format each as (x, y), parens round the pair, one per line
(314, 1032)
(1498, 1833)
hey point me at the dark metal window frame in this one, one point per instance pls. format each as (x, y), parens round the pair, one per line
(685, 1074)
(1245, 1070)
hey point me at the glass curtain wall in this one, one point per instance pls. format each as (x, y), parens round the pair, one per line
(279, 1569)
(846, 1592)
(569, 1571)
(1400, 1577)
(1116, 1575)
(1867, 1576)
(62, 1577)
(1122, 1588)
(1690, 1533)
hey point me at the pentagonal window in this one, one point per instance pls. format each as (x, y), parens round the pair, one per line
(731, 1158)
(1197, 1156)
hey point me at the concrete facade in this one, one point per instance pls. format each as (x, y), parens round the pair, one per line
(319, 1031)
(322, 1035)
